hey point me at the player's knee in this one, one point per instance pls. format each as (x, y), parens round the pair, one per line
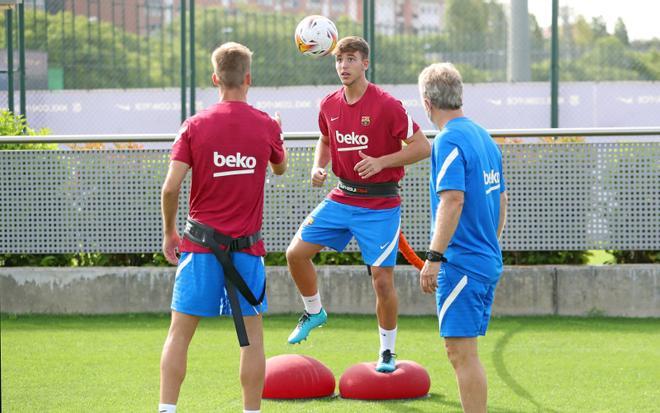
(178, 338)
(383, 287)
(296, 253)
(292, 253)
(458, 354)
(454, 355)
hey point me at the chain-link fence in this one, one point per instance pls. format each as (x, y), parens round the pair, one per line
(75, 46)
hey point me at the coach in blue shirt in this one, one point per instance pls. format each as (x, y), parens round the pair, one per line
(468, 211)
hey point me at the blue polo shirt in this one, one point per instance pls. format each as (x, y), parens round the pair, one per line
(465, 158)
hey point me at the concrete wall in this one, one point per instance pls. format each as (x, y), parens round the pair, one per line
(622, 290)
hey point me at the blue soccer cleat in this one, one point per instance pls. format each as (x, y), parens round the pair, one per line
(306, 324)
(386, 362)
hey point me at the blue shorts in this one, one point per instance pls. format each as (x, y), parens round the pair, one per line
(464, 304)
(199, 285)
(376, 231)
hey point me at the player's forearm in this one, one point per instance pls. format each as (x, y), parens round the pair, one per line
(169, 203)
(446, 221)
(414, 151)
(322, 153)
(504, 200)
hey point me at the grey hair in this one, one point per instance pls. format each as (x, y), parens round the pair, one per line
(442, 85)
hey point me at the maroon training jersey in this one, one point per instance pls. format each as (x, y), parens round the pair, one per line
(228, 147)
(376, 125)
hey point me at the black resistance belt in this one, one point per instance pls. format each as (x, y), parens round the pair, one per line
(207, 237)
(369, 190)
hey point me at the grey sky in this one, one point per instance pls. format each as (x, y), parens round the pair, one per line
(640, 16)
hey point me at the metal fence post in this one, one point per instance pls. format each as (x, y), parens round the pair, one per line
(192, 58)
(21, 56)
(10, 57)
(372, 39)
(368, 21)
(183, 60)
(554, 67)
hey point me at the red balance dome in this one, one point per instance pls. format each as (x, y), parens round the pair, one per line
(362, 381)
(292, 376)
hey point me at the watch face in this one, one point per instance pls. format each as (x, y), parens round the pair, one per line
(434, 256)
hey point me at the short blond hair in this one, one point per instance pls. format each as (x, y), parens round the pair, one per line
(442, 85)
(352, 44)
(231, 62)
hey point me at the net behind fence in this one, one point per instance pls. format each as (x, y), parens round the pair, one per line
(85, 45)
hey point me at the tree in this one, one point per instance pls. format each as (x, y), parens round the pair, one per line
(496, 34)
(537, 42)
(582, 33)
(97, 54)
(621, 32)
(467, 24)
(599, 27)
(15, 125)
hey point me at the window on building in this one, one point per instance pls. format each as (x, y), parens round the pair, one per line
(338, 7)
(291, 4)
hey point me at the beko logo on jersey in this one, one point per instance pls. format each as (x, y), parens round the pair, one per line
(362, 141)
(245, 163)
(491, 178)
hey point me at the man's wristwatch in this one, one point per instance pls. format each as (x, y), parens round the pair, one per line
(435, 256)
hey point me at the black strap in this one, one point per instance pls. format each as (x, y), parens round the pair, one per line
(231, 274)
(201, 234)
(369, 190)
(207, 237)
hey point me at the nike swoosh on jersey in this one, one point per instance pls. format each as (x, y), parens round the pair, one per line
(334, 119)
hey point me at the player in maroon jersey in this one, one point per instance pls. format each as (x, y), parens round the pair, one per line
(228, 147)
(362, 132)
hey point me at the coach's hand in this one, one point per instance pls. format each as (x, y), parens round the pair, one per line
(170, 246)
(368, 166)
(428, 276)
(319, 175)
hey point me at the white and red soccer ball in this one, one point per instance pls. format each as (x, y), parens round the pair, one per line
(316, 36)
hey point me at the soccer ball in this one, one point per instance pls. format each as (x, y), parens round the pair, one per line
(316, 36)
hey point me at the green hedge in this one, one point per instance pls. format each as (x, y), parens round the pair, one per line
(637, 257)
(323, 258)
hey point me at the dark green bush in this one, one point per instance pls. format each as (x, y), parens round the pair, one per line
(545, 257)
(279, 258)
(83, 260)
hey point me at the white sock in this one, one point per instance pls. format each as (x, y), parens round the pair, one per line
(166, 408)
(312, 303)
(251, 411)
(387, 339)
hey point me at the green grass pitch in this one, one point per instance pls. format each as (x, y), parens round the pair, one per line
(534, 364)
